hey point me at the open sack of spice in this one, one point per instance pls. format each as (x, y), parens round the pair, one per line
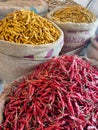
(60, 94)
(8, 6)
(77, 23)
(26, 39)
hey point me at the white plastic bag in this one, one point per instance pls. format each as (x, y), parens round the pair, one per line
(75, 34)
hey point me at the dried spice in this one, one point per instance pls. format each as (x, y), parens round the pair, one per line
(61, 94)
(26, 27)
(74, 13)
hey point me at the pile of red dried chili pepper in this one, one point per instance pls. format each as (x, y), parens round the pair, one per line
(61, 94)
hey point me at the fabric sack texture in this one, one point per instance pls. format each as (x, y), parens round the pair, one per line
(75, 34)
(18, 59)
(38, 6)
(92, 49)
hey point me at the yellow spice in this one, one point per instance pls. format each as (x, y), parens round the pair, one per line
(74, 13)
(26, 27)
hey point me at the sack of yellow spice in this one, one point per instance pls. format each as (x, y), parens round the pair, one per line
(8, 6)
(77, 23)
(26, 39)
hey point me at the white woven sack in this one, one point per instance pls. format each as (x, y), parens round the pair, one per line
(18, 59)
(75, 33)
(11, 5)
(92, 49)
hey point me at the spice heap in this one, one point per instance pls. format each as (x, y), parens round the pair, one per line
(26, 27)
(61, 94)
(74, 13)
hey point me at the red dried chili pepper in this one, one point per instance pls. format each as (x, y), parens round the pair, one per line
(61, 94)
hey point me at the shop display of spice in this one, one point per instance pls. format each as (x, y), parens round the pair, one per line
(61, 94)
(74, 13)
(26, 27)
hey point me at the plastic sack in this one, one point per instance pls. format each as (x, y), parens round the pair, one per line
(38, 6)
(75, 34)
(18, 59)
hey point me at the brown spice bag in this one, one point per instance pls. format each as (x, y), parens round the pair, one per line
(75, 34)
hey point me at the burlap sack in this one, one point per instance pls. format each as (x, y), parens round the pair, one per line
(38, 6)
(92, 49)
(8, 88)
(75, 34)
(18, 59)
